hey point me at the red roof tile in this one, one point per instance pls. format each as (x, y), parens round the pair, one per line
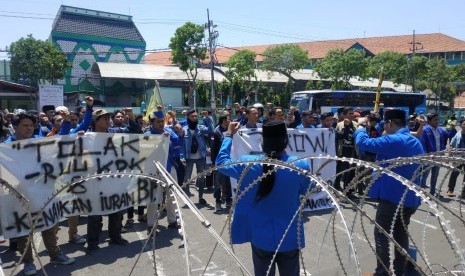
(430, 43)
(159, 58)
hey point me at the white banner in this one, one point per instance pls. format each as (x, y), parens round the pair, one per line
(38, 168)
(302, 142)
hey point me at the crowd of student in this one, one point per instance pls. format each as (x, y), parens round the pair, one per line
(193, 141)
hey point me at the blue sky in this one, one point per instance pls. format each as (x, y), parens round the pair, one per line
(241, 22)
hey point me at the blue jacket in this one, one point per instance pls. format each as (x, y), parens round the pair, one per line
(12, 138)
(85, 124)
(428, 141)
(264, 222)
(183, 122)
(201, 133)
(174, 140)
(399, 144)
(455, 142)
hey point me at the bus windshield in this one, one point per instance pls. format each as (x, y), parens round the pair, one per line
(331, 100)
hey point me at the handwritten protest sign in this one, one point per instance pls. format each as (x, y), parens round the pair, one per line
(302, 142)
(38, 168)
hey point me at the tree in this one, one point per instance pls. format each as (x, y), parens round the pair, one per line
(36, 60)
(242, 65)
(459, 72)
(242, 69)
(439, 77)
(394, 66)
(416, 70)
(339, 66)
(285, 59)
(187, 51)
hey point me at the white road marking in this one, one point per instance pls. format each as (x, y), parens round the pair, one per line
(425, 224)
(153, 259)
(358, 236)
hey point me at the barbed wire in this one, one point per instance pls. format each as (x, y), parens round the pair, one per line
(445, 215)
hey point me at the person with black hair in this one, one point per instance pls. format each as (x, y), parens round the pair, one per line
(101, 124)
(157, 122)
(308, 120)
(222, 183)
(390, 192)
(433, 138)
(457, 142)
(346, 148)
(24, 128)
(252, 116)
(194, 149)
(260, 216)
(327, 119)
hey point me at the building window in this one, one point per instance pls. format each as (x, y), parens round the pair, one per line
(458, 55)
(450, 55)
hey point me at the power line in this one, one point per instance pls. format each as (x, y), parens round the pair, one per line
(28, 17)
(26, 13)
(267, 31)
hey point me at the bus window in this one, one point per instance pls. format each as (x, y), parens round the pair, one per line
(329, 101)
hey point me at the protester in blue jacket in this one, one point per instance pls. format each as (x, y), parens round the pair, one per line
(194, 149)
(397, 143)
(434, 138)
(157, 123)
(24, 129)
(264, 212)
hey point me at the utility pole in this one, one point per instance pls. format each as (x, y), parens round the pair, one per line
(415, 47)
(212, 36)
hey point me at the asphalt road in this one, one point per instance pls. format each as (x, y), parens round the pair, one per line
(327, 251)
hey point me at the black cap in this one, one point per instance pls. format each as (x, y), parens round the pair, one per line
(431, 116)
(46, 108)
(274, 129)
(411, 117)
(392, 114)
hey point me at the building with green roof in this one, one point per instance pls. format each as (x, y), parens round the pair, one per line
(89, 36)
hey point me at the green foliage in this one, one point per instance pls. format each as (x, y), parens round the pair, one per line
(203, 93)
(339, 66)
(35, 60)
(437, 72)
(459, 72)
(320, 85)
(286, 95)
(241, 72)
(394, 66)
(242, 65)
(187, 50)
(310, 85)
(187, 46)
(416, 69)
(285, 58)
(439, 76)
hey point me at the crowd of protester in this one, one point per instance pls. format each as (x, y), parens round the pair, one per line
(196, 140)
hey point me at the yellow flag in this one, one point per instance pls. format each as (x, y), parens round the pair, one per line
(155, 100)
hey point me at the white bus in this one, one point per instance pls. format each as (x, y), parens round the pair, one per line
(331, 100)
